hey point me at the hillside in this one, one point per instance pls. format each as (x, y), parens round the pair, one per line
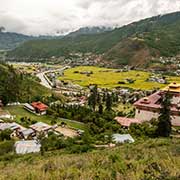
(18, 87)
(89, 30)
(151, 159)
(131, 44)
(11, 40)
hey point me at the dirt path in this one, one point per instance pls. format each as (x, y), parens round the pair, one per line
(67, 131)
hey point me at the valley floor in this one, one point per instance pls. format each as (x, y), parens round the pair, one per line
(110, 78)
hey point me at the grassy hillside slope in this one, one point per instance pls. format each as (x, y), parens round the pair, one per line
(17, 87)
(144, 160)
(156, 36)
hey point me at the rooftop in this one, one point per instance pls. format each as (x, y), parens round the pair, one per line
(12, 126)
(39, 105)
(23, 147)
(152, 101)
(126, 121)
(173, 87)
(122, 138)
(40, 126)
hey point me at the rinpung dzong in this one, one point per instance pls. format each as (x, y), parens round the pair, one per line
(148, 108)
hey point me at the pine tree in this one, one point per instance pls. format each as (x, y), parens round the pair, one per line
(92, 101)
(100, 109)
(108, 102)
(164, 124)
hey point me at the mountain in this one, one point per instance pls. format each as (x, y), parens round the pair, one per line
(132, 44)
(89, 30)
(10, 40)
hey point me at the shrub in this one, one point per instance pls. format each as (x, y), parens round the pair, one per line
(6, 147)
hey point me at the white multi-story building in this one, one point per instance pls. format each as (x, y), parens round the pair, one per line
(148, 108)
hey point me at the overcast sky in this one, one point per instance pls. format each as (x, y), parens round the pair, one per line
(50, 16)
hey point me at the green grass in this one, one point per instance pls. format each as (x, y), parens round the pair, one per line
(126, 108)
(20, 112)
(150, 159)
(111, 79)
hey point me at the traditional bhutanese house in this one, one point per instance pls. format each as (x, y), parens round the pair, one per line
(39, 107)
(16, 128)
(29, 108)
(148, 108)
(40, 127)
(24, 147)
(27, 134)
(126, 122)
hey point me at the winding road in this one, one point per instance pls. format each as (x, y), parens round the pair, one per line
(44, 79)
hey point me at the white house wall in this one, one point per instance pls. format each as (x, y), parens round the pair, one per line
(175, 100)
(144, 116)
(175, 120)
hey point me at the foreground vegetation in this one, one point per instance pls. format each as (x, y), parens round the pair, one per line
(152, 159)
(108, 78)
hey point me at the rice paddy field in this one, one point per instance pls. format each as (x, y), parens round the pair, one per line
(109, 78)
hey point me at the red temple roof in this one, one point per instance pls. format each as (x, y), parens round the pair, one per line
(150, 101)
(153, 102)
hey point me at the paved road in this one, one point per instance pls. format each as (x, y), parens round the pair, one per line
(44, 80)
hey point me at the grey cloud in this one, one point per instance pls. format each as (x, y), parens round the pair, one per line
(12, 23)
(64, 16)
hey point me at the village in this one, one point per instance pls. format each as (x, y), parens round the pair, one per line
(130, 106)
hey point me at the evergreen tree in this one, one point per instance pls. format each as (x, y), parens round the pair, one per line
(100, 109)
(108, 102)
(92, 101)
(164, 120)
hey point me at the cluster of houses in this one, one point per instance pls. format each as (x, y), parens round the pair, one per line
(158, 79)
(148, 108)
(28, 137)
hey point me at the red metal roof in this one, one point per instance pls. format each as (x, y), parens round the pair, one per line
(40, 106)
(126, 121)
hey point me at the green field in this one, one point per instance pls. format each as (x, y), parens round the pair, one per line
(19, 112)
(110, 79)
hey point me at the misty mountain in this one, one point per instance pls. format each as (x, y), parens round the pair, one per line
(134, 44)
(10, 40)
(89, 30)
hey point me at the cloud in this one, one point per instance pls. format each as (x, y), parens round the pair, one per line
(51, 16)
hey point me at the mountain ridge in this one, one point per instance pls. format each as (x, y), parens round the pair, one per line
(155, 36)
